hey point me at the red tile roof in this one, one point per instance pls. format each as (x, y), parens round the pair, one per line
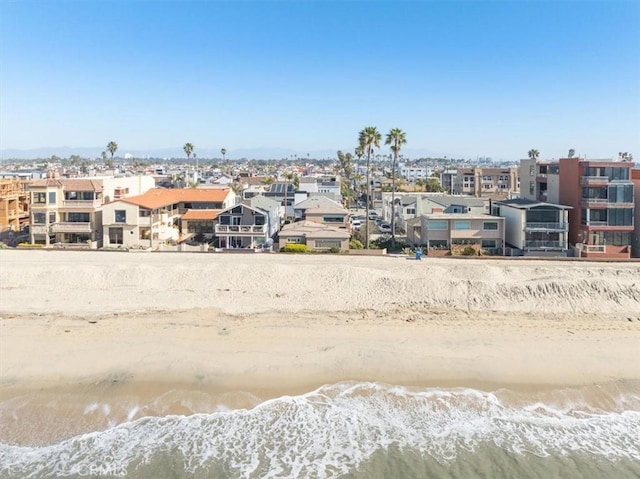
(159, 197)
(201, 215)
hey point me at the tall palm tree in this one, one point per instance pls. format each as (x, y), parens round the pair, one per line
(224, 153)
(188, 149)
(112, 146)
(397, 139)
(369, 138)
(572, 152)
(533, 154)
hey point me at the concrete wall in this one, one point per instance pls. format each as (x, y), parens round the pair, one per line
(514, 223)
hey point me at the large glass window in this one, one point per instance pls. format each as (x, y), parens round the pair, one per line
(333, 219)
(115, 235)
(39, 218)
(621, 193)
(490, 225)
(328, 244)
(78, 217)
(462, 225)
(121, 216)
(39, 198)
(52, 197)
(437, 225)
(543, 215)
(620, 217)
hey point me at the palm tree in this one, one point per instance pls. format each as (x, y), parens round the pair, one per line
(533, 154)
(224, 153)
(396, 138)
(368, 139)
(188, 149)
(571, 153)
(112, 146)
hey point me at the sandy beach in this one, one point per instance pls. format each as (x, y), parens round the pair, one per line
(233, 330)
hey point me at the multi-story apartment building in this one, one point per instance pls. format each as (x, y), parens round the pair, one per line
(69, 211)
(486, 182)
(539, 180)
(413, 173)
(635, 240)
(601, 223)
(14, 205)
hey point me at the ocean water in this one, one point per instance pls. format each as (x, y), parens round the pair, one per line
(364, 430)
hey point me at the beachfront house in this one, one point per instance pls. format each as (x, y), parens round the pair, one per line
(156, 217)
(317, 236)
(448, 232)
(247, 226)
(534, 228)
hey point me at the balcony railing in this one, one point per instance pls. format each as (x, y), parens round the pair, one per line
(547, 226)
(594, 180)
(603, 202)
(82, 204)
(591, 248)
(70, 227)
(239, 229)
(542, 244)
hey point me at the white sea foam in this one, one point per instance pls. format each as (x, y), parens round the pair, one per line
(332, 430)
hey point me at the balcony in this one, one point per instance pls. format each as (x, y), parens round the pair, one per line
(547, 227)
(239, 230)
(542, 244)
(603, 203)
(70, 227)
(38, 229)
(594, 180)
(82, 204)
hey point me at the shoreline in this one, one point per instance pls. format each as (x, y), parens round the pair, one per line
(126, 329)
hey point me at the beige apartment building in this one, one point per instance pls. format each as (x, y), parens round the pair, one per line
(486, 182)
(442, 231)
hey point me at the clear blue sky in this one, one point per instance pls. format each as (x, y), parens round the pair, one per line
(492, 78)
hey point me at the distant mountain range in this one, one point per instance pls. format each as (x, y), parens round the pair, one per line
(178, 152)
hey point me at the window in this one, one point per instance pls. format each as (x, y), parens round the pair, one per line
(78, 217)
(145, 233)
(490, 225)
(115, 235)
(52, 197)
(39, 198)
(620, 217)
(258, 220)
(145, 213)
(462, 225)
(411, 211)
(121, 216)
(333, 219)
(532, 188)
(200, 226)
(532, 170)
(488, 243)
(52, 217)
(294, 239)
(39, 218)
(328, 244)
(437, 225)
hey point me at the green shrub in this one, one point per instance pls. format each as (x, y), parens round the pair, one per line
(3, 245)
(355, 244)
(469, 251)
(294, 248)
(334, 250)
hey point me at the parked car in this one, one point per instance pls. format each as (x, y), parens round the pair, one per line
(384, 228)
(373, 215)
